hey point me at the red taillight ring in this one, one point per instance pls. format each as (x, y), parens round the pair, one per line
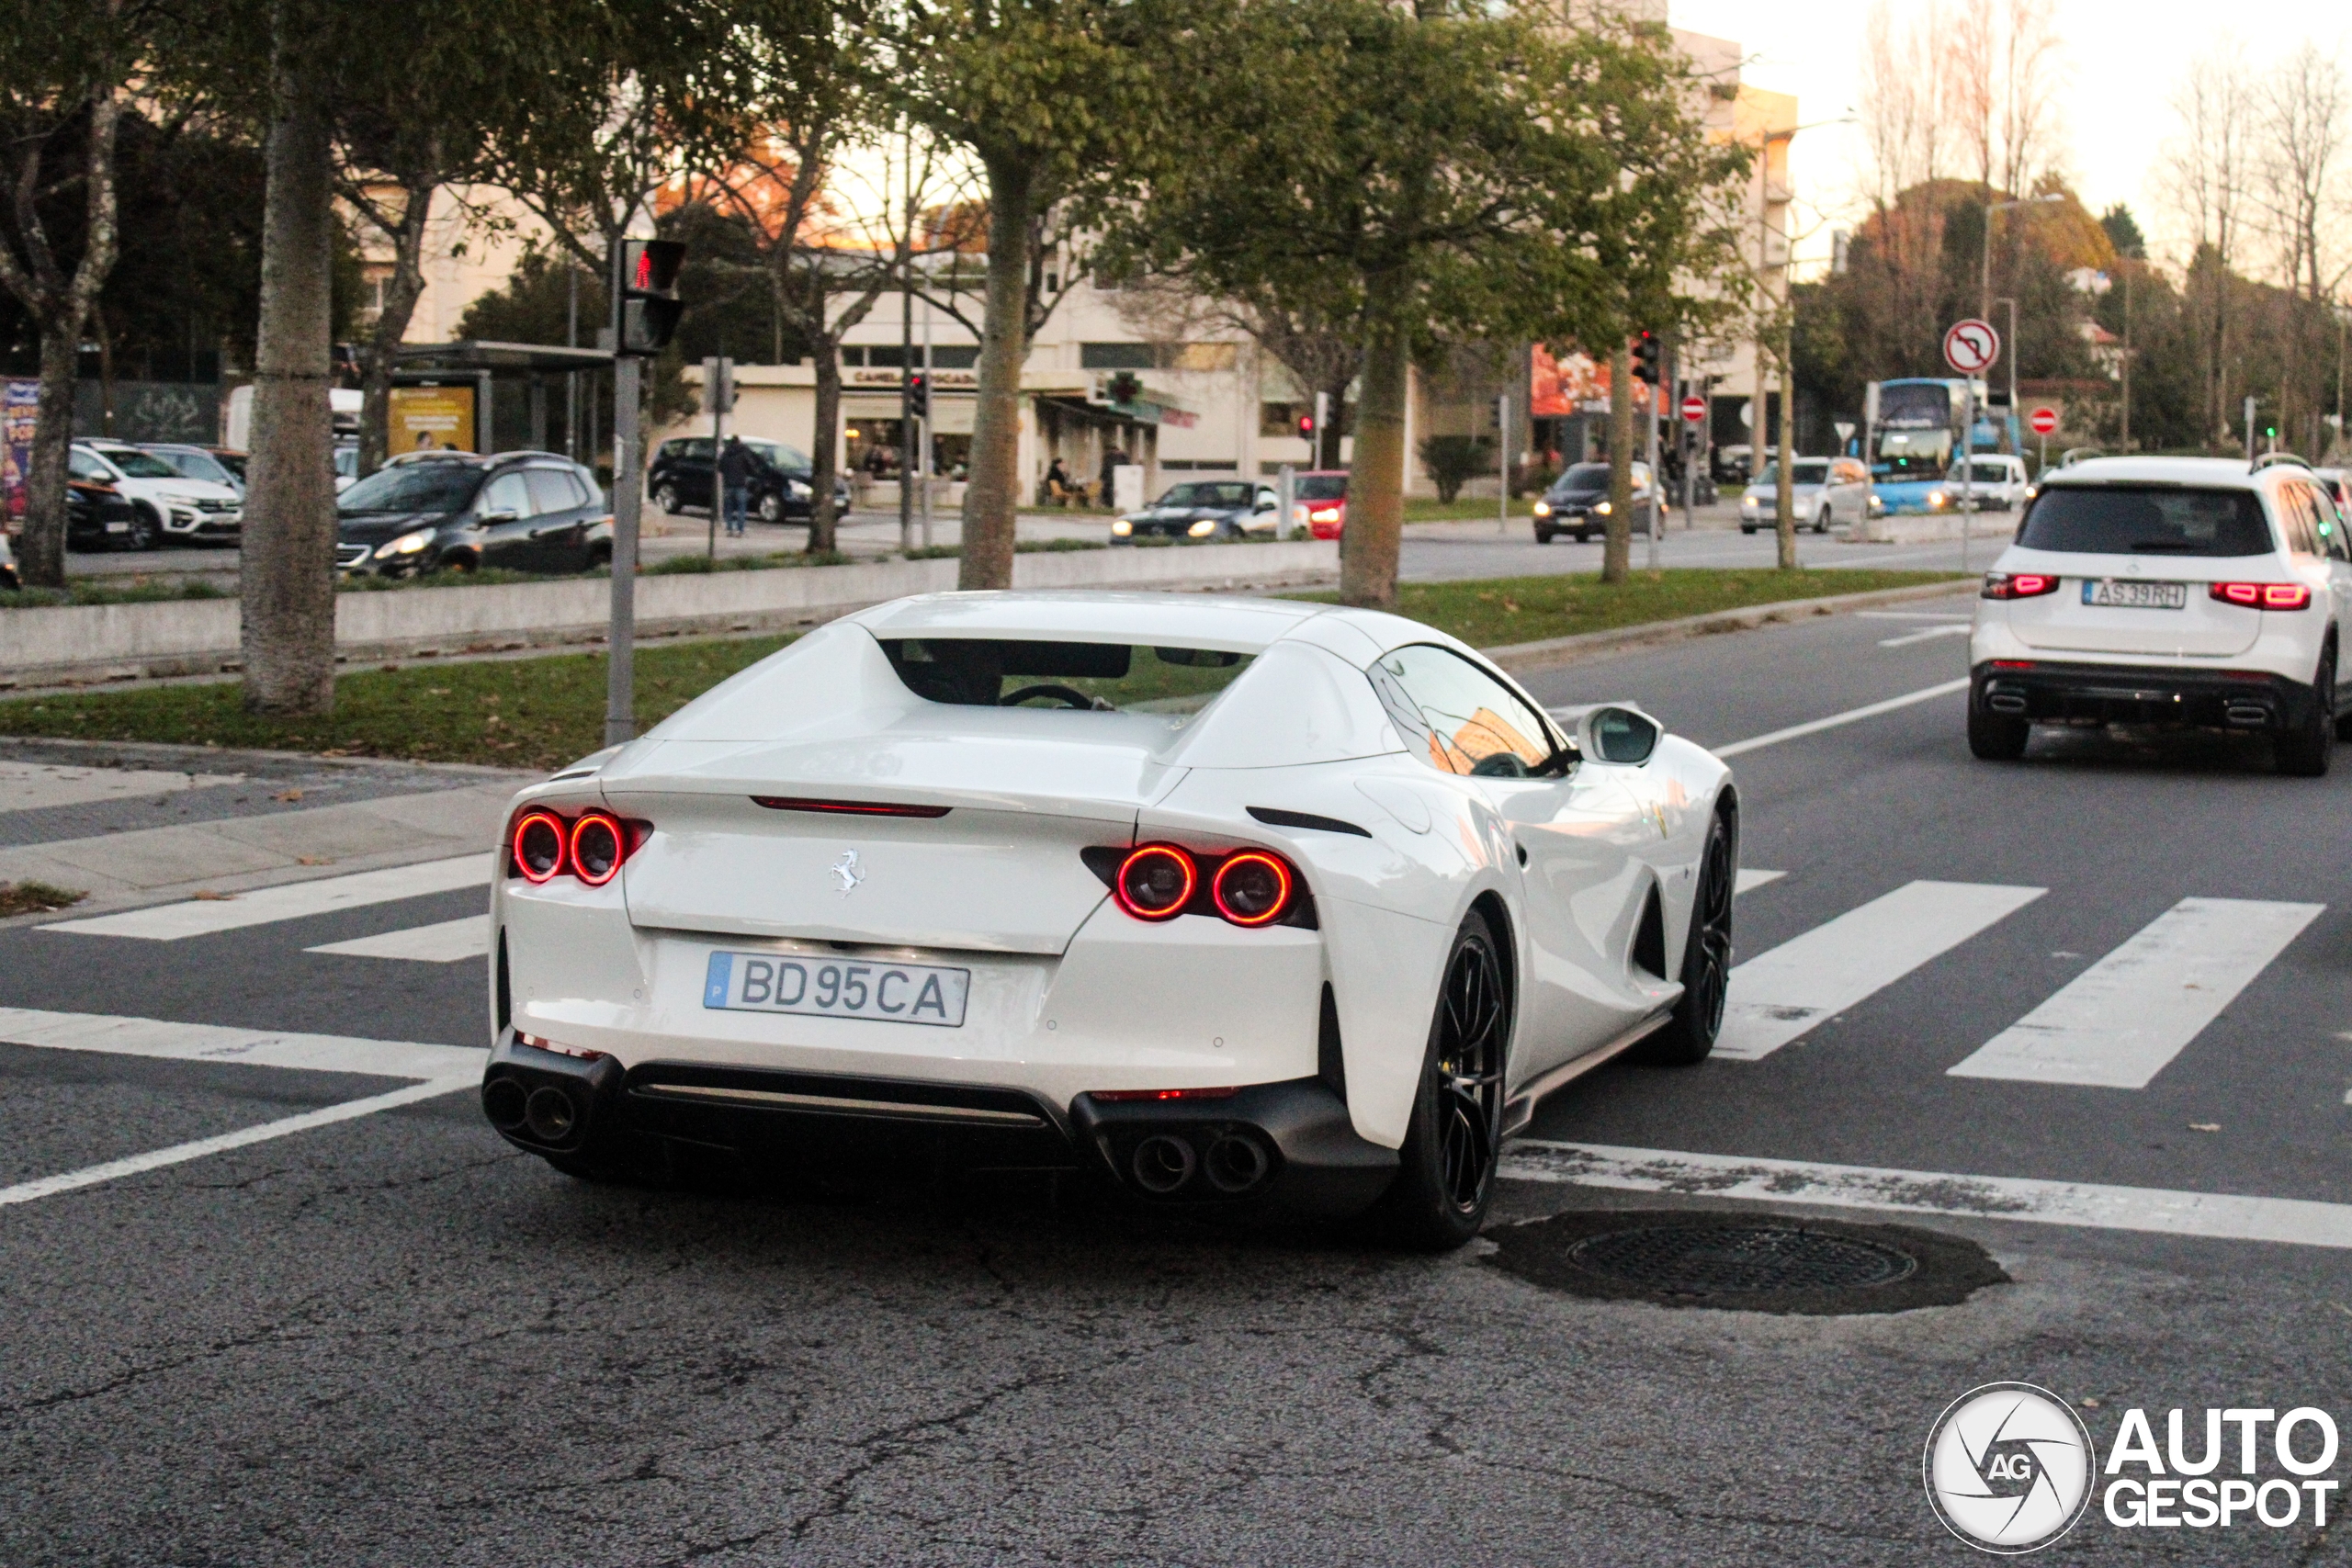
(554, 825)
(1141, 856)
(1283, 879)
(592, 822)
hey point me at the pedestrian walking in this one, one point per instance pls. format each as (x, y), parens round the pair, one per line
(735, 469)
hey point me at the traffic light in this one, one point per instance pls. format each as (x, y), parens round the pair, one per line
(919, 395)
(1306, 427)
(1647, 351)
(646, 306)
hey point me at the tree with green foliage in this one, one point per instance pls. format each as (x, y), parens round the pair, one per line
(1061, 106)
(1448, 171)
(1454, 461)
(61, 99)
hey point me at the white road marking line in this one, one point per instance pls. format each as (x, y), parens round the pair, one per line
(1749, 879)
(292, 901)
(444, 944)
(179, 1154)
(1909, 615)
(2297, 1222)
(1778, 996)
(1931, 633)
(2117, 1023)
(1852, 715)
(157, 1038)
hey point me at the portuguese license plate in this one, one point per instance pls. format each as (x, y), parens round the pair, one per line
(2136, 595)
(832, 987)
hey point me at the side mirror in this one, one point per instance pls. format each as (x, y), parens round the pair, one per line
(489, 517)
(1618, 734)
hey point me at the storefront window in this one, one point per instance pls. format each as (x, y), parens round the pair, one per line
(874, 445)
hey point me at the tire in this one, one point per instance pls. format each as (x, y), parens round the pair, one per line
(146, 530)
(2304, 751)
(1446, 1181)
(1821, 524)
(1698, 1018)
(1583, 537)
(1747, 527)
(770, 509)
(666, 499)
(1543, 535)
(1995, 737)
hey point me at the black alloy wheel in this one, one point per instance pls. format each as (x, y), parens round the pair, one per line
(2304, 751)
(1706, 958)
(1446, 1176)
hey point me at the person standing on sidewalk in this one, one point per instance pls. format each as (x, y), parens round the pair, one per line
(735, 464)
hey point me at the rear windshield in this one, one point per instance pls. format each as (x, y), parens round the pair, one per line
(2125, 520)
(1323, 487)
(1097, 677)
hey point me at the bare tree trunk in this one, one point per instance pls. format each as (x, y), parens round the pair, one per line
(821, 521)
(381, 356)
(1617, 535)
(992, 494)
(288, 578)
(41, 551)
(59, 305)
(1376, 530)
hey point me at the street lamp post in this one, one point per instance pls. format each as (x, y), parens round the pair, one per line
(1985, 262)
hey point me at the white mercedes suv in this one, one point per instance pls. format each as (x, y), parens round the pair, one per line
(2169, 591)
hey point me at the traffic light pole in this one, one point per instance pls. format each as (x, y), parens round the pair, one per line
(1657, 487)
(629, 497)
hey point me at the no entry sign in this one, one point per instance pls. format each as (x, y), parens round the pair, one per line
(2043, 420)
(1971, 345)
(1694, 409)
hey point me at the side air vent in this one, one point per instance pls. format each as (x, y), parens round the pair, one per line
(1649, 939)
(1331, 1065)
(1274, 817)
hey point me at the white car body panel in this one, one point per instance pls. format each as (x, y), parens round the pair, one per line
(173, 500)
(1068, 993)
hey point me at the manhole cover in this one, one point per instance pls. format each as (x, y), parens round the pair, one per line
(1742, 1260)
(1710, 1260)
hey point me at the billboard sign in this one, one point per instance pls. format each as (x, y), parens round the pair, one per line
(431, 419)
(20, 402)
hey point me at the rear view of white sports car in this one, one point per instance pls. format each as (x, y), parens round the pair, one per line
(1245, 904)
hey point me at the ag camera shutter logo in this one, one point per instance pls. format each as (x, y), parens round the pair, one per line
(2009, 1468)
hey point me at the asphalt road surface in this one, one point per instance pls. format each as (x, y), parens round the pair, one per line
(376, 1336)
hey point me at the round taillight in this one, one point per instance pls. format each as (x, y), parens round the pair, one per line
(597, 848)
(1156, 882)
(540, 841)
(1252, 889)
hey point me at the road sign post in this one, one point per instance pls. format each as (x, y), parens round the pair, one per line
(1970, 347)
(2044, 421)
(1694, 411)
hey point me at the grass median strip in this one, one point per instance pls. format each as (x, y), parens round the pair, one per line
(1497, 612)
(543, 712)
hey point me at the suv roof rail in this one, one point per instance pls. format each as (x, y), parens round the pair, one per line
(2270, 459)
(2075, 454)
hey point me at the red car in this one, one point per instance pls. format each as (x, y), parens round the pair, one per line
(1322, 503)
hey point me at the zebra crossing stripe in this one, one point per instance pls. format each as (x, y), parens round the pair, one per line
(446, 942)
(2119, 1022)
(288, 901)
(1777, 996)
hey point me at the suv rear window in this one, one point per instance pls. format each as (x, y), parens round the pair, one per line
(2129, 520)
(1096, 676)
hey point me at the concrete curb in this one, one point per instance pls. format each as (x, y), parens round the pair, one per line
(1559, 651)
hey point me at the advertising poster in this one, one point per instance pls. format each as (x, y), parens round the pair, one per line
(1571, 383)
(19, 401)
(431, 419)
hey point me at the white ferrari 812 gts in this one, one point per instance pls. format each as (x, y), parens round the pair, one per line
(1246, 904)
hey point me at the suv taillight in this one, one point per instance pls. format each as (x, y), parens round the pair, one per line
(2018, 584)
(2263, 595)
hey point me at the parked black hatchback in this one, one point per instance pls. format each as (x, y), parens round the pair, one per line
(455, 511)
(781, 476)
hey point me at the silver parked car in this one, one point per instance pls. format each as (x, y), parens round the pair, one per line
(1827, 490)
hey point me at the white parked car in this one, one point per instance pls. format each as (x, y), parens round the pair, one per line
(2179, 590)
(1823, 489)
(170, 507)
(1244, 903)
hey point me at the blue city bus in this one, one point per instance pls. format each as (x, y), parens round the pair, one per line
(1915, 432)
